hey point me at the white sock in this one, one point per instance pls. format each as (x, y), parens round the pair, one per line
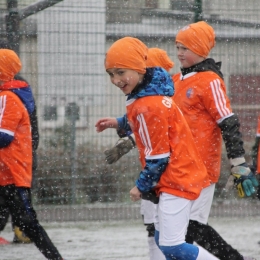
(205, 255)
(154, 251)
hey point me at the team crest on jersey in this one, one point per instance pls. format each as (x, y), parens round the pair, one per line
(189, 93)
(167, 101)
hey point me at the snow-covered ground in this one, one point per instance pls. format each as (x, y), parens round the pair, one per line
(123, 239)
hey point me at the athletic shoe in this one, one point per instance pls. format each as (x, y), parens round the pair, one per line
(3, 241)
(20, 237)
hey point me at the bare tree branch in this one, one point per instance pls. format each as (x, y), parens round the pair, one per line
(36, 7)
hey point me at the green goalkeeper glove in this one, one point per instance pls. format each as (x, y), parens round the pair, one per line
(243, 178)
(122, 147)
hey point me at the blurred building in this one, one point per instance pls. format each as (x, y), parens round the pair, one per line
(62, 49)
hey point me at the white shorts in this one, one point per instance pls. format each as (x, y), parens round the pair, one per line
(201, 206)
(148, 211)
(172, 218)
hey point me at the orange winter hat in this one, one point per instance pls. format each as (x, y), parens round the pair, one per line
(159, 57)
(127, 53)
(10, 65)
(198, 37)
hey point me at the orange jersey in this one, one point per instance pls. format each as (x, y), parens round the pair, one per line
(160, 131)
(16, 158)
(203, 100)
(258, 153)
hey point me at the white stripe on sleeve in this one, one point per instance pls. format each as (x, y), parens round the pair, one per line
(2, 130)
(219, 98)
(144, 135)
(2, 107)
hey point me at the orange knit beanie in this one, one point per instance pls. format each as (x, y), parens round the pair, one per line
(198, 37)
(10, 65)
(159, 57)
(127, 53)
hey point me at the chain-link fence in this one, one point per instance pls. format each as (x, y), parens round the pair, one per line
(62, 47)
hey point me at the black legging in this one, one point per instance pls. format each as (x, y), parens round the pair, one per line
(17, 201)
(208, 238)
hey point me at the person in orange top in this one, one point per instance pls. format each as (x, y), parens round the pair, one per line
(16, 103)
(156, 57)
(200, 93)
(20, 236)
(256, 154)
(170, 167)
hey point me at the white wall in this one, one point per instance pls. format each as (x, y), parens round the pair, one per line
(233, 9)
(71, 49)
(71, 42)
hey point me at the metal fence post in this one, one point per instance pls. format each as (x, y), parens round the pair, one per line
(198, 16)
(72, 113)
(12, 25)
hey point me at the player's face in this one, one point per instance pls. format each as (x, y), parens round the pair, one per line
(186, 57)
(125, 79)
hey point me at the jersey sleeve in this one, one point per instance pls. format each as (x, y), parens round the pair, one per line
(258, 127)
(153, 134)
(216, 100)
(153, 138)
(10, 113)
(150, 175)
(255, 148)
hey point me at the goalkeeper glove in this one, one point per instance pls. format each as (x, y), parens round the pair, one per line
(122, 147)
(243, 178)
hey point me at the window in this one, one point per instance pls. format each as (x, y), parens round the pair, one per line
(50, 113)
(72, 111)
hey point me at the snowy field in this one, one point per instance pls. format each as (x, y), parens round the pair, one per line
(123, 239)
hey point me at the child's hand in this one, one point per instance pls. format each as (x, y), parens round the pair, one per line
(106, 122)
(135, 194)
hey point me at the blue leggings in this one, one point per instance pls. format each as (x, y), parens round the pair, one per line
(183, 251)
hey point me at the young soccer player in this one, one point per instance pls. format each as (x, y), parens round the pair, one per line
(256, 154)
(170, 166)
(200, 93)
(17, 103)
(19, 236)
(156, 57)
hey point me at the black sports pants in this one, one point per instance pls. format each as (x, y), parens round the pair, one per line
(207, 237)
(17, 201)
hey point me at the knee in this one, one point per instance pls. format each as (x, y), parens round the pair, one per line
(183, 251)
(195, 228)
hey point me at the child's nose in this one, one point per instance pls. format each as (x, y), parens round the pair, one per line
(116, 81)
